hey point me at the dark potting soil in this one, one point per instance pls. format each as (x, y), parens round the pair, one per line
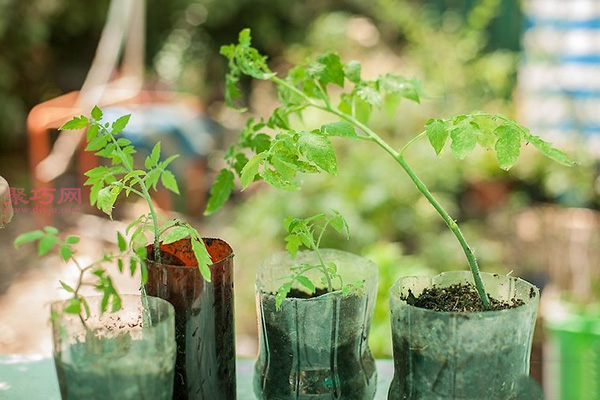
(456, 298)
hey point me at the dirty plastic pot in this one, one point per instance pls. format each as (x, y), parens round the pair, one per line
(316, 348)
(204, 325)
(120, 355)
(449, 355)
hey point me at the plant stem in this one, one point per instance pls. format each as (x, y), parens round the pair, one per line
(398, 156)
(145, 196)
(479, 285)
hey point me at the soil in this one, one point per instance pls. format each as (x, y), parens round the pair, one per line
(456, 298)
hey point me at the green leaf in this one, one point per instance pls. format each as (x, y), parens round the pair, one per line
(92, 132)
(508, 146)
(120, 124)
(304, 281)
(73, 306)
(74, 124)
(293, 244)
(341, 128)
(369, 95)
(66, 252)
(98, 143)
(46, 244)
(275, 179)
(121, 242)
(28, 237)
(245, 37)
(86, 307)
(72, 239)
(352, 71)
(391, 101)
(152, 160)
(332, 71)
(106, 200)
(437, 134)
(251, 169)
(318, 150)
(67, 287)
(168, 180)
(220, 191)
(175, 234)
(464, 139)
(152, 178)
(120, 265)
(132, 266)
(97, 113)
(546, 149)
(487, 137)
(51, 230)
(203, 258)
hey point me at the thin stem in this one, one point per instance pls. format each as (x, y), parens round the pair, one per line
(411, 141)
(432, 200)
(145, 195)
(418, 183)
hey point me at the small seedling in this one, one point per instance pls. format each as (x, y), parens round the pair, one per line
(107, 183)
(308, 233)
(278, 160)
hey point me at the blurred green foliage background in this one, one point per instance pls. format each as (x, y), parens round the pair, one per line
(465, 53)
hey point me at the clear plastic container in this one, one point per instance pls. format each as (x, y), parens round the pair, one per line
(316, 348)
(119, 355)
(204, 324)
(448, 355)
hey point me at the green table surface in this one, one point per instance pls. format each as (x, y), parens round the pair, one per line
(33, 377)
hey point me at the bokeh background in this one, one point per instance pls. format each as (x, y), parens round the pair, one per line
(538, 221)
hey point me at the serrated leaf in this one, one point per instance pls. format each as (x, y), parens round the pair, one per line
(105, 200)
(318, 150)
(352, 70)
(275, 179)
(121, 242)
(546, 149)
(67, 287)
(175, 234)
(203, 258)
(168, 181)
(46, 244)
(152, 178)
(28, 237)
(486, 138)
(508, 146)
(333, 71)
(120, 124)
(132, 266)
(97, 113)
(369, 95)
(304, 281)
(464, 139)
(92, 132)
(293, 244)
(74, 124)
(66, 252)
(120, 265)
(155, 155)
(220, 191)
(437, 133)
(340, 128)
(251, 169)
(98, 143)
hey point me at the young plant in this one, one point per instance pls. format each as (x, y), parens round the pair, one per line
(278, 160)
(94, 274)
(121, 176)
(308, 233)
(107, 183)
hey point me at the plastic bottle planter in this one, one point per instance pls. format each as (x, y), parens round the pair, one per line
(444, 355)
(573, 348)
(120, 355)
(316, 348)
(204, 327)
